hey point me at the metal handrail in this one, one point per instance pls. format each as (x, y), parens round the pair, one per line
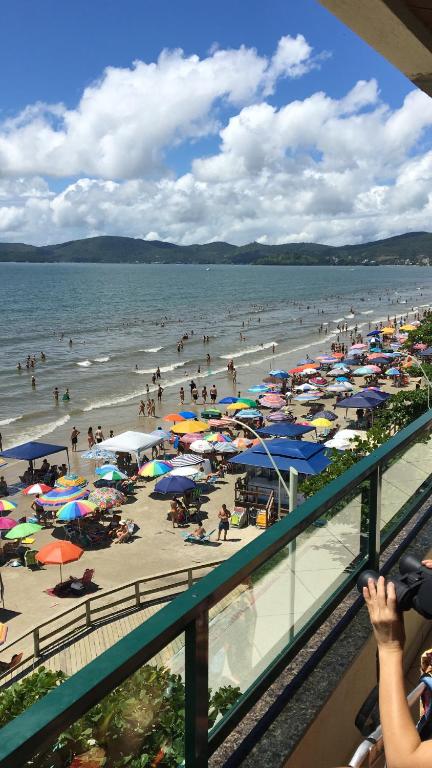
(375, 739)
(86, 612)
(189, 612)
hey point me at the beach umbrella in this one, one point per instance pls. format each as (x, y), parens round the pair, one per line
(341, 386)
(373, 333)
(318, 380)
(324, 423)
(388, 330)
(278, 416)
(305, 388)
(187, 459)
(155, 468)
(59, 496)
(193, 471)
(229, 400)
(187, 414)
(107, 498)
(202, 446)
(378, 359)
(174, 417)
(105, 468)
(36, 488)
(218, 437)
(308, 372)
(211, 413)
(7, 506)
(240, 443)
(59, 553)
(172, 484)
(407, 327)
(257, 388)
(188, 439)
(359, 346)
(113, 474)
(187, 427)
(225, 448)
(279, 374)
(275, 402)
(249, 413)
(326, 415)
(98, 454)
(6, 523)
(71, 481)
(358, 401)
(392, 372)
(366, 370)
(219, 423)
(307, 396)
(75, 509)
(238, 406)
(22, 530)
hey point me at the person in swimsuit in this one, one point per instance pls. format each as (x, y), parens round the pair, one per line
(99, 435)
(224, 518)
(90, 437)
(74, 439)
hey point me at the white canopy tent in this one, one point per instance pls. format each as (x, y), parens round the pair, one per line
(131, 442)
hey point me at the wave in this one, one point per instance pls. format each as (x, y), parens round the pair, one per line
(338, 319)
(85, 363)
(367, 312)
(39, 430)
(349, 317)
(99, 360)
(3, 422)
(250, 350)
(151, 349)
(164, 369)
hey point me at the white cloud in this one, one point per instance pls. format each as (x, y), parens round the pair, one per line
(315, 169)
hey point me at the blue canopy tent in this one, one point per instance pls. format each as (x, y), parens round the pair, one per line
(284, 430)
(359, 401)
(307, 458)
(33, 450)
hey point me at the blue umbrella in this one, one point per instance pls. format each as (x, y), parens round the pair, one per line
(341, 378)
(188, 414)
(278, 374)
(307, 457)
(174, 484)
(358, 401)
(248, 413)
(373, 333)
(106, 468)
(325, 415)
(255, 388)
(96, 454)
(227, 401)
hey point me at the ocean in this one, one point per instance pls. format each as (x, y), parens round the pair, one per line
(125, 320)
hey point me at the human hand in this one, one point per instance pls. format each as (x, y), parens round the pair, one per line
(427, 563)
(386, 621)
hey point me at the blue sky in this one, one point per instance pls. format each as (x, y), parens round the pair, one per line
(52, 50)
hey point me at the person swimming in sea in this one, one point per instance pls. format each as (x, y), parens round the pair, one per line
(66, 396)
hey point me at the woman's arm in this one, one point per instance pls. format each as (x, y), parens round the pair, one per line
(402, 745)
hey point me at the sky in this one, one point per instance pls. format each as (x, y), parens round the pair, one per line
(195, 121)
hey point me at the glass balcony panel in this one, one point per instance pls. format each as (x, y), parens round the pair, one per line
(404, 477)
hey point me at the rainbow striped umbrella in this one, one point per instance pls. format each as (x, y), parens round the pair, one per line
(7, 506)
(59, 496)
(155, 468)
(217, 437)
(75, 509)
(71, 481)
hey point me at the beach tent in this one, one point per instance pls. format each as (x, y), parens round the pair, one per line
(359, 401)
(33, 450)
(284, 430)
(306, 457)
(131, 442)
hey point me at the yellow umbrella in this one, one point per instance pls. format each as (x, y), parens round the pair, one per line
(407, 327)
(189, 426)
(321, 423)
(388, 330)
(237, 406)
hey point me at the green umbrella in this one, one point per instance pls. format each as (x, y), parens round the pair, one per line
(248, 400)
(23, 530)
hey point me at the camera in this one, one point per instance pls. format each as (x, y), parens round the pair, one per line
(413, 587)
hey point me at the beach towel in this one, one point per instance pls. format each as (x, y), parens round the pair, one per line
(3, 633)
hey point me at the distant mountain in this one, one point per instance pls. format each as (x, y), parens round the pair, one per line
(411, 248)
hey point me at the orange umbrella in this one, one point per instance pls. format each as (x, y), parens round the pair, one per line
(301, 368)
(59, 553)
(173, 417)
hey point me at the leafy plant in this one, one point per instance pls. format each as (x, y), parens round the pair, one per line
(140, 724)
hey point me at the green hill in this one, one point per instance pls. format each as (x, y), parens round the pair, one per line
(410, 248)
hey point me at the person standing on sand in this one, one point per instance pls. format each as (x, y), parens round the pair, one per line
(182, 395)
(99, 435)
(159, 393)
(153, 407)
(141, 410)
(224, 518)
(213, 393)
(90, 437)
(74, 439)
(204, 394)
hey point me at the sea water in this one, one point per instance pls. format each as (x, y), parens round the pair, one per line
(125, 320)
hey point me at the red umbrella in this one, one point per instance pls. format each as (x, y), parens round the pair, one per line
(32, 490)
(6, 523)
(59, 553)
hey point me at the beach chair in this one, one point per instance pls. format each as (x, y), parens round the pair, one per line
(7, 666)
(189, 537)
(30, 560)
(239, 517)
(79, 586)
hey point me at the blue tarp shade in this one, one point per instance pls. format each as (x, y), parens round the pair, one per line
(284, 430)
(306, 458)
(32, 450)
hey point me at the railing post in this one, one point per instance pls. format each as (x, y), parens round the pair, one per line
(36, 643)
(190, 577)
(137, 594)
(374, 532)
(88, 613)
(196, 678)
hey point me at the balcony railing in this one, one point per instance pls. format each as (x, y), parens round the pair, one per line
(242, 623)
